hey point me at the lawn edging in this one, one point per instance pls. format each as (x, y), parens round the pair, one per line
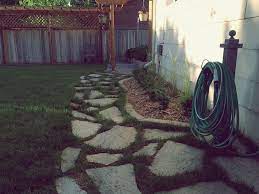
(133, 113)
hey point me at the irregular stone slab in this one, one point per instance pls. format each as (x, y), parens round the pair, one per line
(122, 77)
(148, 150)
(117, 138)
(108, 79)
(84, 81)
(156, 134)
(94, 79)
(115, 179)
(67, 185)
(203, 188)
(92, 109)
(109, 74)
(80, 115)
(84, 129)
(94, 75)
(176, 158)
(105, 83)
(83, 88)
(79, 95)
(95, 94)
(68, 158)
(82, 77)
(241, 170)
(101, 102)
(113, 114)
(104, 158)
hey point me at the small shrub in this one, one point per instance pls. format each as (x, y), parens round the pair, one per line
(154, 85)
(186, 101)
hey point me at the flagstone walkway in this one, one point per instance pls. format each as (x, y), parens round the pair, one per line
(117, 154)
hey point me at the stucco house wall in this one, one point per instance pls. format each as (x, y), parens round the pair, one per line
(192, 30)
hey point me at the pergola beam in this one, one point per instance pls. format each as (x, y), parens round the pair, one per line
(113, 47)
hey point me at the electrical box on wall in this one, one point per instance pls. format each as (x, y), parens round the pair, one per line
(160, 49)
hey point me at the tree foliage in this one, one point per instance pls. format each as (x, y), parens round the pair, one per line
(84, 3)
(39, 3)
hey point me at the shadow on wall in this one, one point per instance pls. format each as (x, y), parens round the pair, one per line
(173, 64)
(247, 69)
(188, 39)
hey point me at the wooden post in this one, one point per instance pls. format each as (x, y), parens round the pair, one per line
(150, 30)
(5, 47)
(51, 35)
(112, 34)
(101, 44)
(230, 51)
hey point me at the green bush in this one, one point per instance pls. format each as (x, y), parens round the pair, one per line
(186, 101)
(138, 53)
(154, 85)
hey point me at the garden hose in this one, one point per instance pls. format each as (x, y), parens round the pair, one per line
(218, 126)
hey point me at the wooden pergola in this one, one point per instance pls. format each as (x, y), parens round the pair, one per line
(59, 18)
(112, 4)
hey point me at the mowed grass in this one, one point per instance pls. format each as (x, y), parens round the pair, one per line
(35, 124)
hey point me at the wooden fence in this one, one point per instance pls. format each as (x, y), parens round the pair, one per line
(29, 36)
(125, 39)
(50, 35)
(70, 46)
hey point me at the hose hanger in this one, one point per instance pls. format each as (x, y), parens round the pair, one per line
(219, 126)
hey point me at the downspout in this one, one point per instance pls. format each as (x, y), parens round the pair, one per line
(154, 30)
(137, 43)
(153, 49)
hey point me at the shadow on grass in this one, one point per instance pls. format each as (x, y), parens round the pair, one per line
(31, 141)
(29, 150)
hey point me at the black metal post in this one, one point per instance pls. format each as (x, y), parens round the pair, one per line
(231, 46)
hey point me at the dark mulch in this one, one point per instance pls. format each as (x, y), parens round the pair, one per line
(142, 103)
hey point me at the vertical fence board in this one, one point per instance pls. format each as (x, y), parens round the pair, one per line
(1, 48)
(27, 46)
(45, 46)
(105, 47)
(12, 47)
(70, 46)
(126, 39)
(73, 44)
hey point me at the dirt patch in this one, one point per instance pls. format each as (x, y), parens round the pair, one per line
(142, 103)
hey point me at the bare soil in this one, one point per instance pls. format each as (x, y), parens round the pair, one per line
(142, 103)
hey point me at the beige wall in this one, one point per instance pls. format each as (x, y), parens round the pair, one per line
(192, 31)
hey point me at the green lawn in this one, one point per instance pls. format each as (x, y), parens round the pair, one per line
(35, 124)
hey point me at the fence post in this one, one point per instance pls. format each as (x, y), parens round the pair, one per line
(231, 46)
(52, 48)
(101, 44)
(113, 44)
(5, 47)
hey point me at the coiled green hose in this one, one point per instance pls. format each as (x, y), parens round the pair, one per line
(218, 126)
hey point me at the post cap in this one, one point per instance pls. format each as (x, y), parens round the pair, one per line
(232, 33)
